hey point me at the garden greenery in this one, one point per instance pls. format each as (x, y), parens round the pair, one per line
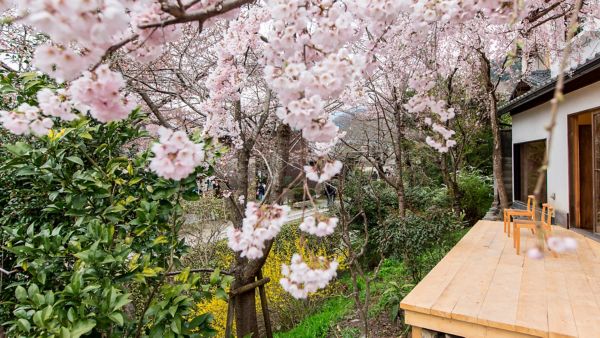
(92, 235)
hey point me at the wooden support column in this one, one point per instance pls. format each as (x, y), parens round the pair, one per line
(417, 332)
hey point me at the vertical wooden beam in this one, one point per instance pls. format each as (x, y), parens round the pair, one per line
(416, 332)
(265, 307)
(230, 314)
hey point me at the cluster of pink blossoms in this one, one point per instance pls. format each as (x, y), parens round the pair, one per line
(175, 156)
(323, 173)
(56, 104)
(423, 103)
(99, 92)
(321, 228)
(150, 42)
(299, 279)
(25, 120)
(261, 224)
(91, 25)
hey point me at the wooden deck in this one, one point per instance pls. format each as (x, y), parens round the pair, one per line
(482, 288)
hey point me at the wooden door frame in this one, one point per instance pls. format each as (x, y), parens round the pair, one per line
(595, 192)
(574, 170)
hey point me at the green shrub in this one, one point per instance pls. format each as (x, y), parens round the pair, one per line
(476, 193)
(410, 237)
(377, 200)
(84, 227)
(421, 198)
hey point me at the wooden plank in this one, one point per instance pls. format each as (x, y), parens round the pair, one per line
(532, 309)
(584, 306)
(469, 304)
(457, 327)
(463, 282)
(561, 322)
(426, 293)
(499, 308)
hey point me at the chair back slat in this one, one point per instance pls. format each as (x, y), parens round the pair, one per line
(530, 200)
(547, 221)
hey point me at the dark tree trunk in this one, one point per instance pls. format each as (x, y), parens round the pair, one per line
(284, 133)
(497, 152)
(450, 182)
(493, 115)
(246, 319)
(399, 155)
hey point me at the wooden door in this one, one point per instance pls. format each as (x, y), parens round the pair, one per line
(586, 198)
(596, 169)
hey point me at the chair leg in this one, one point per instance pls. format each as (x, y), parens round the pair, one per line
(504, 219)
(517, 234)
(509, 220)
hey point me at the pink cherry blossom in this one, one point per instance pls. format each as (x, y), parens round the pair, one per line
(25, 120)
(324, 173)
(262, 223)
(175, 156)
(299, 279)
(99, 93)
(55, 105)
(319, 226)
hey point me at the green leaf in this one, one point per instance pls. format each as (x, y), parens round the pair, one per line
(121, 301)
(116, 317)
(47, 312)
(214, 276)
(33, 290)
(21, 294)
(75, 159)
(82, 327)
(221, 294)
(23, 324)
(176, 325)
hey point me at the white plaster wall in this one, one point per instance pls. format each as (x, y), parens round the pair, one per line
(530, 125)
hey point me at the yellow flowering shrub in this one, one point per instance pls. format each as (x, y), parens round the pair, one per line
(285, 311)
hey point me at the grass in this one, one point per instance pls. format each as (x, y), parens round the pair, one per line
(318, 324)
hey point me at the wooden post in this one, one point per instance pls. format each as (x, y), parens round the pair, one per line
(417, 332)
(263, 300)
(230, 313)
(265, 307)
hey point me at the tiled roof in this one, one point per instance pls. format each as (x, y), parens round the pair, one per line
(542, 82)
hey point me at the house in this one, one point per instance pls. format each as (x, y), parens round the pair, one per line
(573, 176)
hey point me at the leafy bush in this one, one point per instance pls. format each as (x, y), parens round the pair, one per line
(409, 237)
(421, 198)
(377, 200)
(84, 227)
(476, 191)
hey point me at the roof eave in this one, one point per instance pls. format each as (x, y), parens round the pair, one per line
(583, 76)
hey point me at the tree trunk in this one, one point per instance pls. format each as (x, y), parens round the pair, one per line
(399, 155)
(284, 133)
(246, 319)
(493, 111)
(451, 183)
(497, 152)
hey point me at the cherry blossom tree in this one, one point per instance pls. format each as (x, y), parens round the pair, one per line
(230, 67)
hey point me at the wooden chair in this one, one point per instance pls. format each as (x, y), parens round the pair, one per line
(546, 220)
(510, 213)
